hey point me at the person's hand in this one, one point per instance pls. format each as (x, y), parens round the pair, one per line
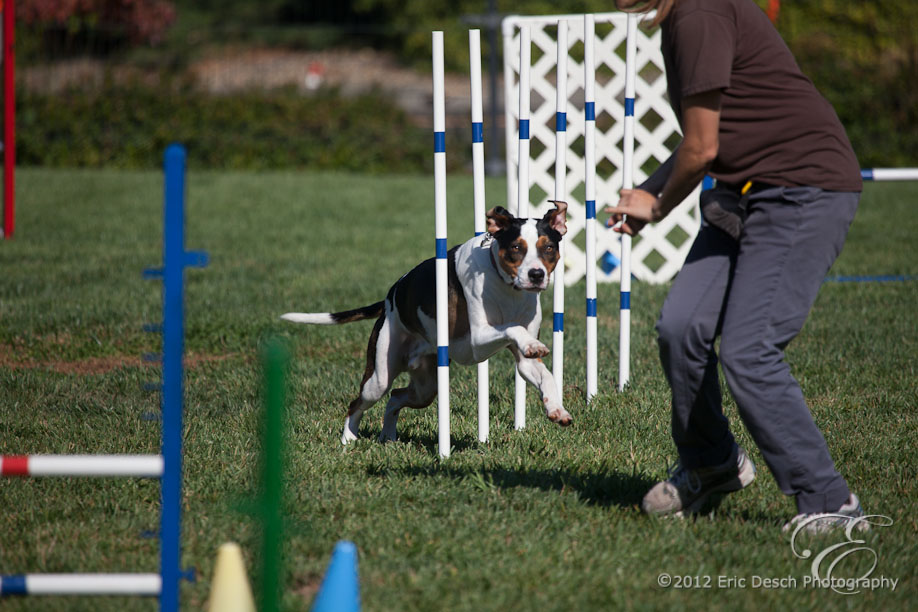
(636, 208)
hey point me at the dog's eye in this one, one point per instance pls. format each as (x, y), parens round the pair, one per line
(548, 248)
(516, 248)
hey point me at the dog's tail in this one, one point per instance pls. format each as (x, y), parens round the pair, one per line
(372, 311)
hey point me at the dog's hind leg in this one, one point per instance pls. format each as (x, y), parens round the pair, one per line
(382, 368)
(535, 372)
(419, 393)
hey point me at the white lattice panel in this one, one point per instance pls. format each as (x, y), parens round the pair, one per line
(660, 249)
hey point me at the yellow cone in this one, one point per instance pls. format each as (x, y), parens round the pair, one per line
(229, 590)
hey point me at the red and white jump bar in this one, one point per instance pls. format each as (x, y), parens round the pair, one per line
(142, 466)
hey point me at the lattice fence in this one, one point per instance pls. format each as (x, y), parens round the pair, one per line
(659, 251)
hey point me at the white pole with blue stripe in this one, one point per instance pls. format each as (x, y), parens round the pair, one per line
(889, 174)
(81, 584)
(557, 346)
(522, 196)
(624, 338)
(478, 196)
(589, 132)
(439, 113)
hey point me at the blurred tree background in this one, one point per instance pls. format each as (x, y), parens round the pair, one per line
(110, 82)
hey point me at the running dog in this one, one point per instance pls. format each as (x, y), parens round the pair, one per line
(494, 286)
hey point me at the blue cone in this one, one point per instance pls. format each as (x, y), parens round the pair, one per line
(340, 591)
(609, 262)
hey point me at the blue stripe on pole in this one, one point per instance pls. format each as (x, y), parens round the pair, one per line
(707, 183)
(479, 233)
(441, 248)
(590, 110)
(439, 142)
(560, 122)
(867, 174)
(442, 356)
(13, 585)
(558, 321)
(625, 300)
(591, 209)
(524, 129)
(591, 307)
(477, 131)
(629, 107)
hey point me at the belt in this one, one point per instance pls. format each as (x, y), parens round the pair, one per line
(743, 188)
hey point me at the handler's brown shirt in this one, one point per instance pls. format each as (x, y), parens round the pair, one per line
(775, 127)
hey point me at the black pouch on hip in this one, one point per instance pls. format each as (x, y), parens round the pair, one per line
(725, 208)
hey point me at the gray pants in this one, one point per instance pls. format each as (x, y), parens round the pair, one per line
(755, 294)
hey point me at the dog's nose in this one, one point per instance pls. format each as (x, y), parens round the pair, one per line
(536, 275)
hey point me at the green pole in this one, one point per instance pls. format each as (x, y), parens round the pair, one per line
(275, 364)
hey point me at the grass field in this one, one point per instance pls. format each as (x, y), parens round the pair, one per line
(545, 519)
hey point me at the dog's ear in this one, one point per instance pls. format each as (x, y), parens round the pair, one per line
(557, 218)
(499, 218)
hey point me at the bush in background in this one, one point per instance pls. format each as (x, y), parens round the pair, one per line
(128, 127)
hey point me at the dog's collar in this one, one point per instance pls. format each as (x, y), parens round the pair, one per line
(500, 273)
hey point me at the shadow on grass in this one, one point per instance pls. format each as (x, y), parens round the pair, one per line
(599, 488)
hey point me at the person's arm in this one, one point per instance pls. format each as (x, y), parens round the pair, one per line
(657, 181)
(689, 163)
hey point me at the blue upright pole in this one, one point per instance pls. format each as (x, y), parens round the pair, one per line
(173, 348)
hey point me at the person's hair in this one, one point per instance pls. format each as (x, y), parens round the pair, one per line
(663, 7)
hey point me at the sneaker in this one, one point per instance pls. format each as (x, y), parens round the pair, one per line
(824, 522)
(686, 491)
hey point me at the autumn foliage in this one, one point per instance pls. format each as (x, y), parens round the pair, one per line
(140, 21)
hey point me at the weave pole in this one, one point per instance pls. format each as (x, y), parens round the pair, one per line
(557, 346)
(624, 330)
(589, 133)
(439, 117)
(522, 193)
(478, 193)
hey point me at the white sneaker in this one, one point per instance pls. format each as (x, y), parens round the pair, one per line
(824, 522)
(686, 491)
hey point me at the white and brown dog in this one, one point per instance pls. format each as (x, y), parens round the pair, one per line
(494, 282)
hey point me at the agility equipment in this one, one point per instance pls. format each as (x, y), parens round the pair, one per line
(167, 466)
(439, 120)
(9, 119)
(522, 201)
(340, 590)
(229, 589)
(478, 195)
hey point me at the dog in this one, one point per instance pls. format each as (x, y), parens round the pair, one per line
(493, 296)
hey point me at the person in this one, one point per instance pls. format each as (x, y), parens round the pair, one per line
(787, 189)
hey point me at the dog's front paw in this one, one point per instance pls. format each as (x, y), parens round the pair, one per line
(534, 350)
(350, 431)
(560, 416)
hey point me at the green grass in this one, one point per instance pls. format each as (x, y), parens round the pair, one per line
(545, 518)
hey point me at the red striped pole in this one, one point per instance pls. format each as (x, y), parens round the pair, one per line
(9, 120)
(142, 466)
